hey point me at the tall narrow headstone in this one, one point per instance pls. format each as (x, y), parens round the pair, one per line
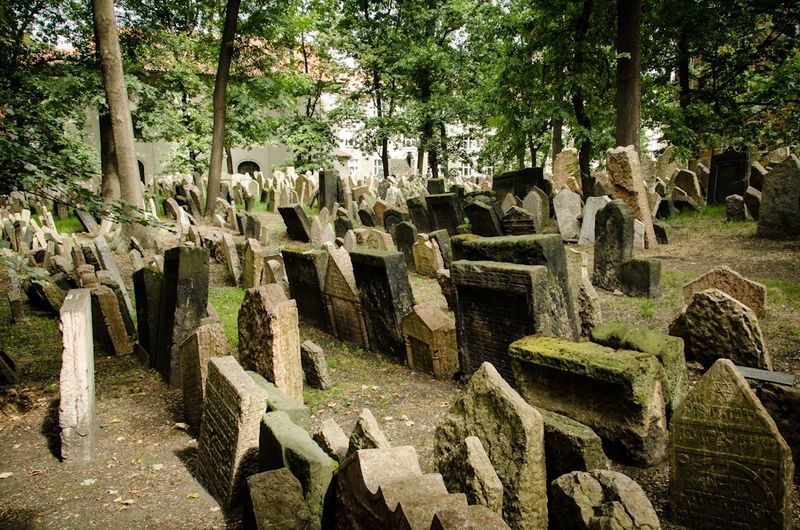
(418, 210)
(593, 205)
(730, 172)
(779, 213)
(108, 263)
(628, 185)
(147, 285)
(207, 341)
(729, 465)
(77, 406)
(306, 274)
(613, 244)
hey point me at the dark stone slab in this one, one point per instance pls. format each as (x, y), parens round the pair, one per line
(305, 271)
(184, 298)
(405, 237)
(386, 297)
(445, 246)
(613, 235)
(297, 224)
(730, 173)
(519, 182)
(483, 219)
(418, 210)
(436, 186)
(367, 217)
(393, 217)
(779, 212)
(445, 212)
(341, 225)
(641, 277)
(518, 221)
(330, 189)
(148, 283)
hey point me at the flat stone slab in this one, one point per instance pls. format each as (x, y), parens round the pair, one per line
(750, 293)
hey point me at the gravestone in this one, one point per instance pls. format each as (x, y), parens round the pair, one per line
(593, 205)
(379, 208)
(418, 210)
(376, 239)
(735, 209)
(405, 237)
(483, 219)
(386, 297)
(518, 221)
(297, 224)
(183, 304)
(76, 412)
(445, 212)
(341, 225)
(752, 201)
(109, 328)
(435, 186)
(442, 239)
(269, 338)
(330, 190)
(427, 257)
(315, 367)
(687, 181)
(750, 293)
(392, 218)
(730, 172)
(231, 258)
(568, 207)
(566, 166)
(207, 341)
(538, 204)
(367, 216)
(227, 447)
(628, 185)
(276, 502)
(518, 183)
(88, 222)
(613, 244)
(343, 301)
(306, 274)
(729, 465)
(107, 261)
(468, 469)
(779, 214)
(430, 337)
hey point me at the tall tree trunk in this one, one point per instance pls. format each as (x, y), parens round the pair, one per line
(109, 182)
(578, 104)
(683, 68)
(220, 91)
(107, 42)
(629, 81)
(229, 160)
(558, 144)
(444, 160)
(385, 156)
(420, 158)
(532, 149)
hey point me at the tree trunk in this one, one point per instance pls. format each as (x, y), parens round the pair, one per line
(420, 158)
(444, 161)
(578, 104)
(532, 149)
(229, 160)
(385, 156)
(109, 183)
(107, 42)
(220, 91)
(629, 82)
(558, 144)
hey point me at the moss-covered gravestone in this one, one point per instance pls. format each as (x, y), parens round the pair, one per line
(730, 467)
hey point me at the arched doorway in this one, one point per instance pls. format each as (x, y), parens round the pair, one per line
(141, 170)
(248, 166)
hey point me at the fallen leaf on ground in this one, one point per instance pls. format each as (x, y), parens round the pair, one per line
(88, 482)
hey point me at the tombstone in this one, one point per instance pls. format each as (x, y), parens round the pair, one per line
(430, 337)
(545, 249)
(405, 237)
(483, 219)
(207, 341)
(593, 205)
(315, 367)
(516, 450)
(76, 413)
(628, 185)
(750, 293)
(107, 261)
(392, 218)
(688, 182)
(276, 501)
(752, 201)
(734, 208)
(435, 186)
(779, 214)
(445, 212)
(306, 274)
(375, 239)
(641, 277)
(730, 172)
(88, 222)
(343, 301)
(269, 338)
(427, 257)
(568, 207)
(329, 188)
(499, 303)
(367, 216)
(183, 304)
(713, 314)
(442, 239)
(366, 434)
(566, 166)
(386, 297)
(227, 447)
(538, 204)
(341, 225)
(729, 465)
(379, 208)
(297, 224)
(106, 279)
(253, 264)
(231, 258)
(109, 327)
(518, 221)
(613, 244)
(518, 182)
(418, 211)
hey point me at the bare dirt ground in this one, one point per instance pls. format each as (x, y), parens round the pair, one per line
(142, 475)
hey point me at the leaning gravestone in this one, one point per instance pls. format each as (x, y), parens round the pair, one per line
(750, 293)
(628, 185)
(512, 434)
(445, 212)
(483, 219)
(613, 244)
(269, 338)
(227, 447)
(306, 274)
(183, 304)
(297, 224)
(779, 213)
(207, 341)
(730, 172)
(406, 235)
(77, 405)
(418, 210)
(108, 263)
(386, 297)
(729, 465)
(393, 217)
(568, 207)
(593, 205)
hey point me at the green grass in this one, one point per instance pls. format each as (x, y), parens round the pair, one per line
(710, 219)
(70, 225)
(781, 292)
(226, 302)
(647, 308)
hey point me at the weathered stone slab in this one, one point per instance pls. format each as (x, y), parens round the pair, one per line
(278, 401)
(343, 301)
(512, 433)
(269, 338)
(405, 235)
(282, 443)
(593, 205)
(613, 244)
(783, 404)
(729, 465)
(474, 516)
(628, 185)
(366, 434)
(519, 182)
(297, 224)
(617, 393)
(147, 285)
(779, 214)
(231, 258)
(108, 324)
(568, 207)
(518, 221)
(713, 314)
(468, 470)
(750, 293)
(445, 212)
(107, 261)
(418, 210)
(430, 337)
(105, 278)
(253, 264)
(183, 304)
(76, 413)
(601, 499)
(641, 277)
(483, 219)
(427, 256)
(306, 274)
(228, 443)
(315, 367)
(207, 341)
(570, 446)
(386, 297)
(276, 502)
(730, 172)
(332, 439)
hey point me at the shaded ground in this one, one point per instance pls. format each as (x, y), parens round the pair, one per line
(142, 474)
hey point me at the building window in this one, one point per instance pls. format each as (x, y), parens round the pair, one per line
(248, 166)
(409, 142)
(377, 167)
(349, 142)
(465, 171)
(352, 167)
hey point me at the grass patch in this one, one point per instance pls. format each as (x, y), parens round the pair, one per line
(647, 308)
(781, 292)
(710, 219)
(226, 302)
(70, 225)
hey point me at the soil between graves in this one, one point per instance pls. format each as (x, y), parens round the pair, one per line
(142, 476)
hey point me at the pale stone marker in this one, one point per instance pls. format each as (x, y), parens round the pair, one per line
(729, 465)
(593, 204)
(568, 207)
(750, 293)
(77, 406)
(628, 185)
(207, 341)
